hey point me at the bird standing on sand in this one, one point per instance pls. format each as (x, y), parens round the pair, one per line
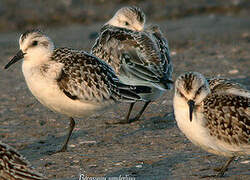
(139, 56)
(214, 115)
(71, 82)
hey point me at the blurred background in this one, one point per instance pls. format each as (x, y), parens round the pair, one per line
(23, 14)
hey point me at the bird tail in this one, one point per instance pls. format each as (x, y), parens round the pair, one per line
(130, 93)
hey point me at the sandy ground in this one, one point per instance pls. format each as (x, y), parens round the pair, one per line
(153, 148)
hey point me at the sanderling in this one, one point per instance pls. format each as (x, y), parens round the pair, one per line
(71, 82)
(214, 115)
(139, 56)
(14, 166)
(132, 18)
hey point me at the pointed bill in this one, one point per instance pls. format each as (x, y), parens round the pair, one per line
(191, 104)
(16, 58)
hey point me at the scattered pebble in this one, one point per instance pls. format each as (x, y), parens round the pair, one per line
(76, 129)
(220, 56)
(233, 71)
(173, 53)
(76, 161)
(118, 164)
(139, 166)
(245, 162)
(87, 142)
(53, 120)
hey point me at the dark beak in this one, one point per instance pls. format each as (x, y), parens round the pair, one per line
(16, 58)
(191, 109)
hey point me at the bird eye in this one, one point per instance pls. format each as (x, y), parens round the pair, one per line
(34, 43)
(126, 23)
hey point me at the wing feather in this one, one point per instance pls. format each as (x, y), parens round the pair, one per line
(228, 117)
(14, 166)
(85, 77)
(137, 51)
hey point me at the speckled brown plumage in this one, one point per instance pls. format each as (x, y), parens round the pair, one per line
(132, 53)
(28, 32)
(214, 114)
(223, 84)
(228, 118)
(87, 78)
(14, 166)
(189, 82)
(139, 56)
(140, 16)
(155, 32)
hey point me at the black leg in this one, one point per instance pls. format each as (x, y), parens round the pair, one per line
(223, 169)
(137, 117)
(129, 112)
(127, 120)
(71, 128)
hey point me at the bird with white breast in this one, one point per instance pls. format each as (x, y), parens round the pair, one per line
(139, 55)
(68, 81)
(214, 114)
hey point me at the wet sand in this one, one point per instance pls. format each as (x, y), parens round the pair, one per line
(153, 148)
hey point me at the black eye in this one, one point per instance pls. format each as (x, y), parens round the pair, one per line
(34, 43)
(126, 23)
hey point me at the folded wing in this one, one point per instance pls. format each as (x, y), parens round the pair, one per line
(85, 77)
(228, 114)
(132, 54)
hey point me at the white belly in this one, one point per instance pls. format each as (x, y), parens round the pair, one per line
(49, 94)
(198, 134)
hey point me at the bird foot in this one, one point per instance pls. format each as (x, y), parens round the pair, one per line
(63, 149)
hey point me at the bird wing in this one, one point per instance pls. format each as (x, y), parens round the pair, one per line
(162, 44)
(228, 117)
(224, 85)
(14, 166)
(85, 77)
(132, 53)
